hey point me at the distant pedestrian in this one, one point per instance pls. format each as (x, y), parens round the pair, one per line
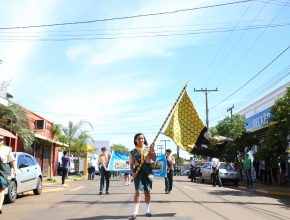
(127, 179)
(192, 169)
(92, 168)
(140, 159)
(262, 169)
(215, 163)
(7, 161)
(248, 169)
(65, 167)
(170, 171)
(104, 159)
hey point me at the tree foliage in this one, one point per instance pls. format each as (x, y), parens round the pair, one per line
(234, 128)
(179, 161)
(13, 118)
(72, 131)
(120, 148)
(275, 143)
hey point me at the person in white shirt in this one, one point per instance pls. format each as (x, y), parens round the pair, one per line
(192, 169)
(104, 159)
(92, 168)
(6, 160)
(215, 163)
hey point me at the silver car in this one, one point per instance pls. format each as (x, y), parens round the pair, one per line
(29, 177)
(226, 172)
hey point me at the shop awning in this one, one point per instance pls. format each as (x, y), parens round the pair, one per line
(52, 141)
(6, 133)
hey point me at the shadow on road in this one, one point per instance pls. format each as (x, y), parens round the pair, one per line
(160, 215)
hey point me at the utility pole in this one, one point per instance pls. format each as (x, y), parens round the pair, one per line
(160, 147)
(206, 91)
(231, 110)
(177, 155)
(165, 143)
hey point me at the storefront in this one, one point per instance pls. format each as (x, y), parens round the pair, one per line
(258, 114)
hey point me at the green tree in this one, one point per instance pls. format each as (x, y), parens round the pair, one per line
(120, 148)
(234, 128)
(179, 161)
(80, 142)
(72, 130)
(55, 131)
(275, 143)
(13, 118)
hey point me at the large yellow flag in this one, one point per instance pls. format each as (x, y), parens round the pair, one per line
(185, 127)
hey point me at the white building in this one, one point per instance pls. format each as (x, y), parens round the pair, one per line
(258, 113)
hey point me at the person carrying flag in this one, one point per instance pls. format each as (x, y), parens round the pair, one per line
(141, 170)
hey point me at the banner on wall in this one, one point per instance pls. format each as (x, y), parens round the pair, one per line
(119, 162)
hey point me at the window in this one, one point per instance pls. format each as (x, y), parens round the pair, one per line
(29, 161)
(40, 124)
(20, 160)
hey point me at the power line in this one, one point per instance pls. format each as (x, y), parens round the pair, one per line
(126, 17)
(261, 71)
(254, 43)
(278, 77)
(210, 31)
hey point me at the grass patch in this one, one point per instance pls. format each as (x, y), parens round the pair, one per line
(49, 180)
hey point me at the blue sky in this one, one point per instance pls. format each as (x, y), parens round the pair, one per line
(128, 85)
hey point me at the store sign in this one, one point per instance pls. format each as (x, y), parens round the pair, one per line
(258, 120)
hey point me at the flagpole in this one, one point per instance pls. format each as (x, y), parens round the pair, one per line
(171, 110)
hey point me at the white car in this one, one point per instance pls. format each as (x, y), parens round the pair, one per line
(29, 177)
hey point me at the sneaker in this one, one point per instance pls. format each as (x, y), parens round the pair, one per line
(65, 185)
(166, 192)
(101, 193)
(148, 214)
(107, 192)
(132, 217)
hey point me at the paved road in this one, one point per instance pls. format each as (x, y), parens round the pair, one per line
(187, 201)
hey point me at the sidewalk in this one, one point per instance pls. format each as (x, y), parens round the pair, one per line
(277, 190)
(48, 186)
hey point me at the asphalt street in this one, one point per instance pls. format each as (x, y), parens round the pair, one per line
(187, 201)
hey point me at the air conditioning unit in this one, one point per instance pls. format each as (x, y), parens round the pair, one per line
(40, 124)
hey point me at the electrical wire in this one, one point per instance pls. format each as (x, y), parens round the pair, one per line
(252, 78)
(161, 34)
(126, 17)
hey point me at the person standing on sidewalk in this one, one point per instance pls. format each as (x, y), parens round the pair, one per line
(215, 163)
(7, 160)
(104, 159)
(92, 168)
(142, 174)
(248, 169)
(65, 166)
(192, 169)
(170, 171)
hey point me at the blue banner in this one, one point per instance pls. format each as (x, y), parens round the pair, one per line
(119, 162)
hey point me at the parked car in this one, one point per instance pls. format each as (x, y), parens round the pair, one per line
(29, 177)
(226, 172)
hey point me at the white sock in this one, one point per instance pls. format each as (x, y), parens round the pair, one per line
(147, 208)
(136, 207)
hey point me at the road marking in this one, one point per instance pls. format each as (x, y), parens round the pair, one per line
(77, 188)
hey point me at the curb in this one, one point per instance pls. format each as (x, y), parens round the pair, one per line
(268, 192)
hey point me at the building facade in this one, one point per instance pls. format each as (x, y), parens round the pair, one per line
(258, 114)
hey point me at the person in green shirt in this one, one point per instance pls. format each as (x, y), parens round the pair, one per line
(248, 168)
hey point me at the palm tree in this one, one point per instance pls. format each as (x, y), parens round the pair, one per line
(13, 118)
(80, 142)
(72, 130)
(55, 131)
